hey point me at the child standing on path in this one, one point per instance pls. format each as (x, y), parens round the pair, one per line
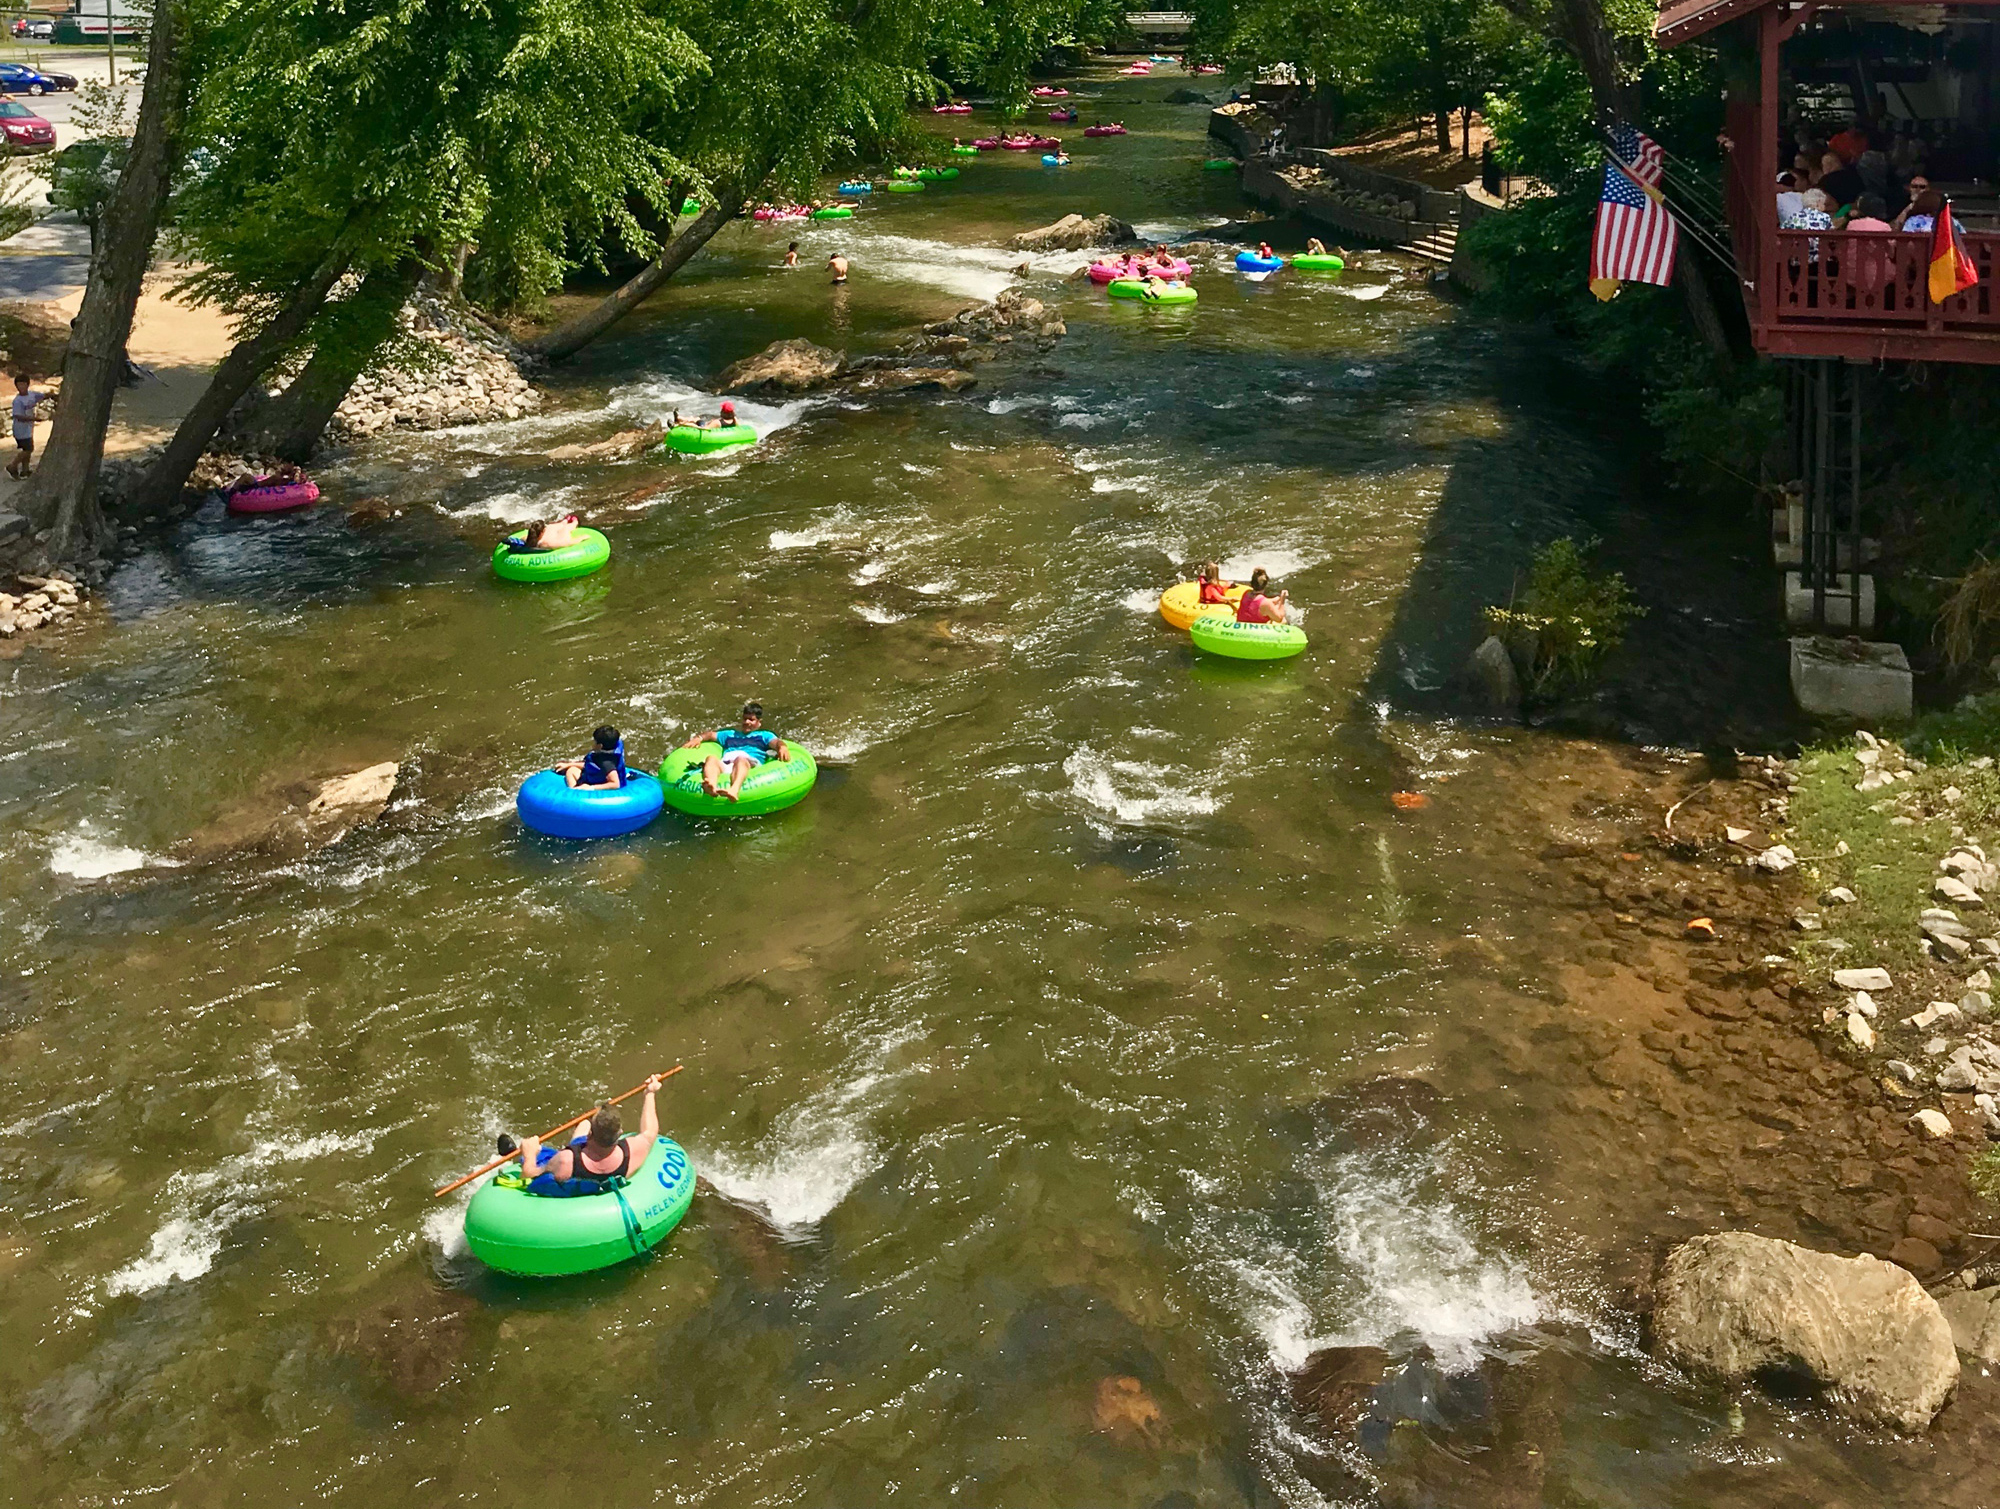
(25, 399)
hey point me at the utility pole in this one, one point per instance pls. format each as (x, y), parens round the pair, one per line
(111, 41)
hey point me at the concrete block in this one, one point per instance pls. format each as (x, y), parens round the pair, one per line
(1850, 679)
(1839, 610)
(1792, 555)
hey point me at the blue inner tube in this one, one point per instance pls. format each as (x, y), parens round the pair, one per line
(549, 804)
(1050, 160)
(1251, 262)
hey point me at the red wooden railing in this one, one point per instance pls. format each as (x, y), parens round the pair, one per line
(1859, 279)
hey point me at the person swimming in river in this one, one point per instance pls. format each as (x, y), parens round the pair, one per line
(585, 1165)
(792, 255)
(837, 265)
(1258, 606)
(744, 748)
(603, 766)
(551, 534)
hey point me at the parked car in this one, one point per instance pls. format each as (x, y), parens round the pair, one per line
(41, 31)
(18, 78)
(23, 130)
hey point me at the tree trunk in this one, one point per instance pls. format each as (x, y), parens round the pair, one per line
(291, 424)
(62, 496)
(573, 335)
(247, 361)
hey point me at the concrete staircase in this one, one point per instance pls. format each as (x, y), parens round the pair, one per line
(1435, 245)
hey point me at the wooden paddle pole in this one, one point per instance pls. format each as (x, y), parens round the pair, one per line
(552, 1132)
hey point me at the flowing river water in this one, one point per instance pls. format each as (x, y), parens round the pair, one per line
(1098, 1017)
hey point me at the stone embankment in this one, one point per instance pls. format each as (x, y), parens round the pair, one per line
(36, 600)
(448, 368)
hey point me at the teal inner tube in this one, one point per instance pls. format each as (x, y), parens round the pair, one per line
(834, 212)
(937, 175)
(771, 787)
(1225, 636)
(1313, 263)
(550, 1236)
(1150, 291)
(1050, 160)
(905, 186)
(692, 440)
(588, 552)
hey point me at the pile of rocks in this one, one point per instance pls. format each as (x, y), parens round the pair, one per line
(38, 600)
(462, 372)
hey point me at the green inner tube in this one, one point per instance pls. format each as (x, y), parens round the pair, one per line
(965, 151)
(588, 552)
(771, 787)
(906, 186)
(1225, 636)
(1311, 263)
(834, 212)
(1219, 165)
(934, 175)
(691, 440)
(547, 1236)
(1163, 293)
(690, 206)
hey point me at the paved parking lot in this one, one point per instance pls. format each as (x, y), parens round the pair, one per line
(51, 259)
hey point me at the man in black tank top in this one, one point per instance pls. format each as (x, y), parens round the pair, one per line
(602, 1155)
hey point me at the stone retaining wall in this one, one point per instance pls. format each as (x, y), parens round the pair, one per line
(1306, 192)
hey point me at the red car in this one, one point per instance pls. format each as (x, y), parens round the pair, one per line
(24, 130)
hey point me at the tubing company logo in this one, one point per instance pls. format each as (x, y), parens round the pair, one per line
(673, 1168)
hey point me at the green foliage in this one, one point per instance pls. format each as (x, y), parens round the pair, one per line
(1567, 619)
(83, 176)
(1983, 1173)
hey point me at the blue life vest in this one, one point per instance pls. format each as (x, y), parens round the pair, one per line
(600, 764)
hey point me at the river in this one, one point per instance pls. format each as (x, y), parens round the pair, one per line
(1098, 1017)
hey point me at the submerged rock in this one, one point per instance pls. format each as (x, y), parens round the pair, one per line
(1075, 233)
(900, 379)
(293, 820)
(791, 366)
(619, 447)
(1337, 1384)
(1124, 1411)
(1862, 1330)
(1491, 670)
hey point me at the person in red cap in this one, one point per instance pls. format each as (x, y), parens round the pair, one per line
(726, 422)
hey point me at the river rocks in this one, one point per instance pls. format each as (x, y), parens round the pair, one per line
(902, 379)
(1491, 672)
(1932, 1123)
(1861, 1329)
(1974, 1065)
(1075, 233)
(622, 446)
(1123, 1410)
(1337, 1383)
(1185, 96)
(1863, 979)
(1974, 1317)
(793, 366)
(1775, 860)
(292, 820)
(37, 600)
(470, 374)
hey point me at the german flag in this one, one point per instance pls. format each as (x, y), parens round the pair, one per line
(1951, 269)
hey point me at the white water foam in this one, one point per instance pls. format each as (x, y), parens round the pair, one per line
(82, 856)
(1137, 793)
(813, 1156)
(1405, 1261)
(208, 1204)
(444, 1226)
(1145, 600)
(875, 615)
(519, 505)
(1279, 560)
(1363, 291)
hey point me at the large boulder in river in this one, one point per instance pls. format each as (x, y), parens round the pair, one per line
(1188, 97)
(1075, 233)
(1861, 1330)
(792, 366)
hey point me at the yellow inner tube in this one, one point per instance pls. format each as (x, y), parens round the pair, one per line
(1180, 605)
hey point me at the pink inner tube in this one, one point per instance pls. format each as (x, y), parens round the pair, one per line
(275, 498)
(1103, 130)
(1063, 115)
(796, 212)
(1048, 94)
(1104, 272)
(951, 110)
(987, 143)
(1182, 268)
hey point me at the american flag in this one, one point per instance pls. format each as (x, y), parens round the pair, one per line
(1636, 234)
